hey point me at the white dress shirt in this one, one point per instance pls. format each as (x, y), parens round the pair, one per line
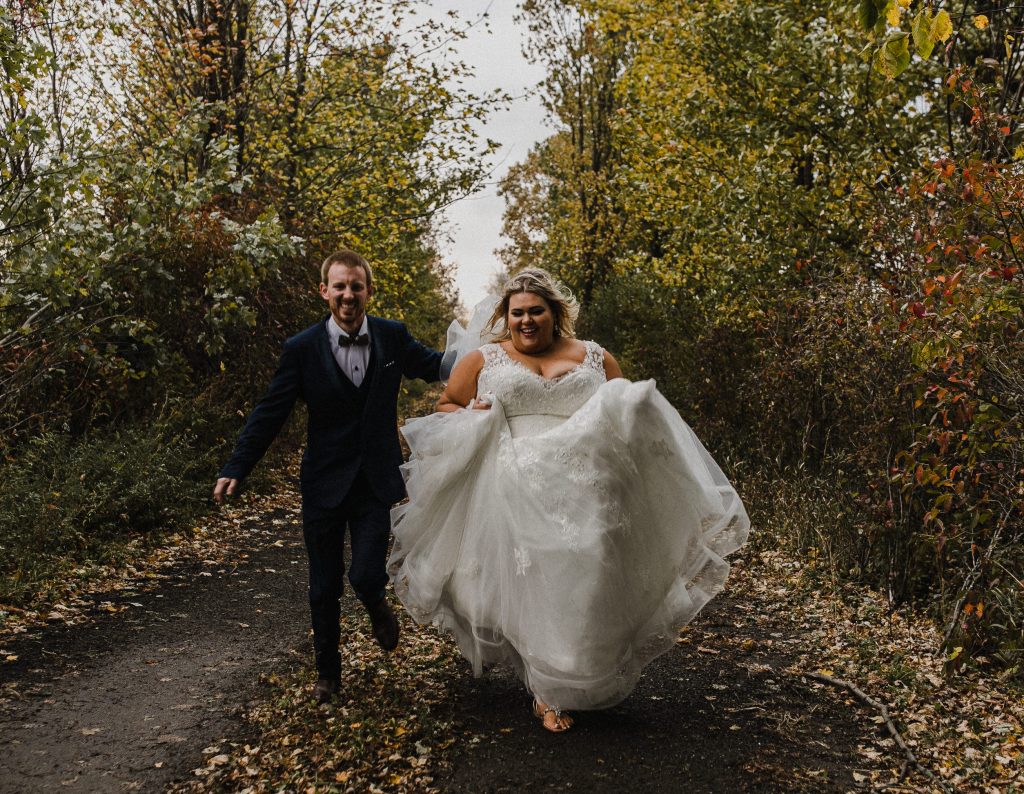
(353, 359)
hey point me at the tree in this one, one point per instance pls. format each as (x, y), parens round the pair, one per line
(813, 246)
(233, 144)
(584, 62)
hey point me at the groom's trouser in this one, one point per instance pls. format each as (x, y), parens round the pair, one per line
(369, 524)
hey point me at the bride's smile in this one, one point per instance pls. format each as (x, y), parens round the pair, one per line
(531, 323)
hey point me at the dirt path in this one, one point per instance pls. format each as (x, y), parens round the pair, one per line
(706, 717)
(138, 699)
(127, 701)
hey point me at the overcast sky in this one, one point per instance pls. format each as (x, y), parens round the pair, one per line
(496, 56)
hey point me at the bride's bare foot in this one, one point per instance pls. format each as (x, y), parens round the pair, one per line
(552, 719)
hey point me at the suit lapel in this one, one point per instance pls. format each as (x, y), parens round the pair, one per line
(378, 356)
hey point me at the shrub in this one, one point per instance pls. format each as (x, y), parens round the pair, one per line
(68, 501)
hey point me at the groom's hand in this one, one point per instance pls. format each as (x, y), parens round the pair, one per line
(225, 487)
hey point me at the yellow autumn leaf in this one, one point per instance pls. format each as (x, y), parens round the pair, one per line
(892, 14)
(904, 4)
(981, 22)
(942, 26)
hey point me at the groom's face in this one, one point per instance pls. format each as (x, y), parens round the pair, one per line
(346, 292)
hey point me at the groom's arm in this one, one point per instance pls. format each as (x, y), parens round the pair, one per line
(263, 424)
(418, 360)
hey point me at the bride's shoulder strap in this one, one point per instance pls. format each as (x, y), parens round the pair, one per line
(490, 351)
(595, 354)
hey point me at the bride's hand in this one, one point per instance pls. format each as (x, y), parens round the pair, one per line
(481, 403)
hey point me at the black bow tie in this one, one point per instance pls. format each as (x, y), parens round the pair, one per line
(362, 340)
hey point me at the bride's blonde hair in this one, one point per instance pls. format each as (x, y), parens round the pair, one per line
(539, 282)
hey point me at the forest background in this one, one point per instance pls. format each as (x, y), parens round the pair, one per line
(803, 219)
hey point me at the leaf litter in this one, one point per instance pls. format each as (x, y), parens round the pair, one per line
(391, 730)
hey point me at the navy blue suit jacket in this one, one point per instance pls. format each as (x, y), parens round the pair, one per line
(347, 430)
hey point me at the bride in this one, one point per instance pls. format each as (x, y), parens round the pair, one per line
(561, 519)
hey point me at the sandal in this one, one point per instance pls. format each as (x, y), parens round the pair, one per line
(560, 724)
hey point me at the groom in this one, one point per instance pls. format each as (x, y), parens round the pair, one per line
(348, 369)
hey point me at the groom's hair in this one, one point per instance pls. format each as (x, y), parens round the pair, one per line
(349, 259)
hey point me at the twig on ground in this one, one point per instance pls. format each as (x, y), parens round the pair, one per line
(863, 697)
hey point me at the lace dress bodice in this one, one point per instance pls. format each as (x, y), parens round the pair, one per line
(533, 403)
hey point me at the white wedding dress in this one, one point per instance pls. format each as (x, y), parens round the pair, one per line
(569, 531)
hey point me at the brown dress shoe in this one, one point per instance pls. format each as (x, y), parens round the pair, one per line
(385, 624)
(325, 689)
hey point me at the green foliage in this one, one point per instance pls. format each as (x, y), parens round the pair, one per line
(343, 128)
(138, 286)
(66, 502)
(890, 44)
(650, 328)
(175, 254)
(763, 223)
(722, 168)
(894, 55)
(171, 175)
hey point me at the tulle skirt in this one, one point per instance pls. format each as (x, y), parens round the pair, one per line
(570, 548)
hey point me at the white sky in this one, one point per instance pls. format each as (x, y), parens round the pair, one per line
(496, 57)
